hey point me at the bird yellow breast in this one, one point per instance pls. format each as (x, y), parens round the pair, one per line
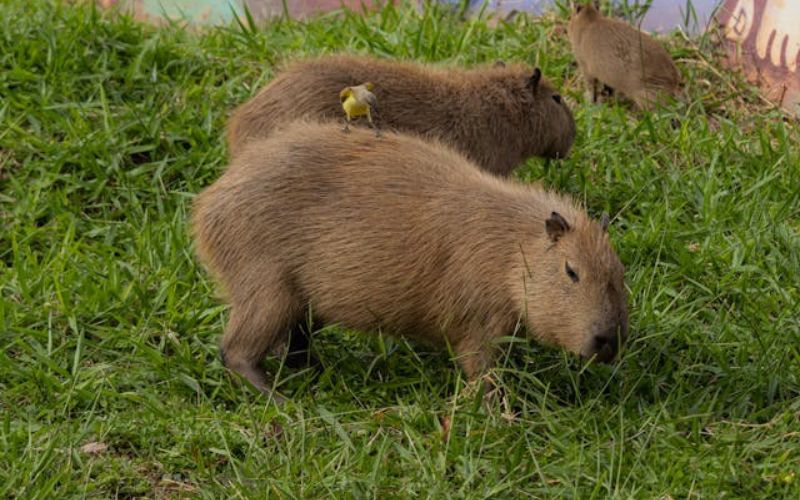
(353, 108)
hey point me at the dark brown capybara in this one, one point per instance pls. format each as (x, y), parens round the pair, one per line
(497, 116)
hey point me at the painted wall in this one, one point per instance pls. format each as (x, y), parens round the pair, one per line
(664, 15)
(224, 11)
(763, 37)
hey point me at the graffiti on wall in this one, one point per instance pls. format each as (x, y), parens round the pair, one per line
(763, 36)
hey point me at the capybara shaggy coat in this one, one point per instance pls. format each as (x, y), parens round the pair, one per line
(405, 236)
(497, 116)
(613, 53)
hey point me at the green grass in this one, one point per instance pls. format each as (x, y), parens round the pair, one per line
(109, 327)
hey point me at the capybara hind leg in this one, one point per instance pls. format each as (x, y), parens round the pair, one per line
(255, 327)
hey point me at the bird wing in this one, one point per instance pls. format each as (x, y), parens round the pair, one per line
(372, 101)
(365, 98)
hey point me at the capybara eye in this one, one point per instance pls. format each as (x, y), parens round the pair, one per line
(557, 98)
(578, 8)
(571, 273)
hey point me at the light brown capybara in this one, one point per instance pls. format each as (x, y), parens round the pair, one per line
(497, 116)
(620, 57)
(405, 236)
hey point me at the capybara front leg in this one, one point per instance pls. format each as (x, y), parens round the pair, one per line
(257, 325)
(646, 98)
(475, 358)
(593, 83)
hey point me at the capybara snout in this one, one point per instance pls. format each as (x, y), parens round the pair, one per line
(560, 144)
(557, 113)
(608, 335)
(605, 343)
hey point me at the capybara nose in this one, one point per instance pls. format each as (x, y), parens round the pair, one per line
(605, 348)
(606, 344)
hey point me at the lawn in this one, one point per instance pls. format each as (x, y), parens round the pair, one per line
(110, 379)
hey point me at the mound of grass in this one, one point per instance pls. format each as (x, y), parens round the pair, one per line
(108, 326)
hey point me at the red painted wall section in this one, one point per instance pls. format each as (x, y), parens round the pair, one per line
(763, 38)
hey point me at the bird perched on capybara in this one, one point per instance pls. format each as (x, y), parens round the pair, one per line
(405, 236)
(357, 101)
(613, 53)
(497, 116)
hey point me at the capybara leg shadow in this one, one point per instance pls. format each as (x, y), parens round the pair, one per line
(299, 354)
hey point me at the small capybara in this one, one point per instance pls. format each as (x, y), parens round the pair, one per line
(497, 116)
(613, 53)
(405, 236)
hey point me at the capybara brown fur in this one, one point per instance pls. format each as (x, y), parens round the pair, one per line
(613, 53)
(405, 236)
(497, 116)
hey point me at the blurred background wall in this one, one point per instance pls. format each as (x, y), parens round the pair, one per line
(760, 36)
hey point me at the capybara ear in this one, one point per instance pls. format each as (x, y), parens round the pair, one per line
(556, 226)
(533, 81)
(604, 220)
(499, 64)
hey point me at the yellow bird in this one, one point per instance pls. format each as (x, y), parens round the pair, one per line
(359, 101)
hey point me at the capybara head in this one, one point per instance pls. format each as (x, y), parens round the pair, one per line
(578, 300)
(546, 103)
(585, 11)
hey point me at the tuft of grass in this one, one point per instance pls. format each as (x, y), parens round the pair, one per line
(108, 326)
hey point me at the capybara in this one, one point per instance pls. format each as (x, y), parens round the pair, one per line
(402, 235)
(497, 116)
(613, 53)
